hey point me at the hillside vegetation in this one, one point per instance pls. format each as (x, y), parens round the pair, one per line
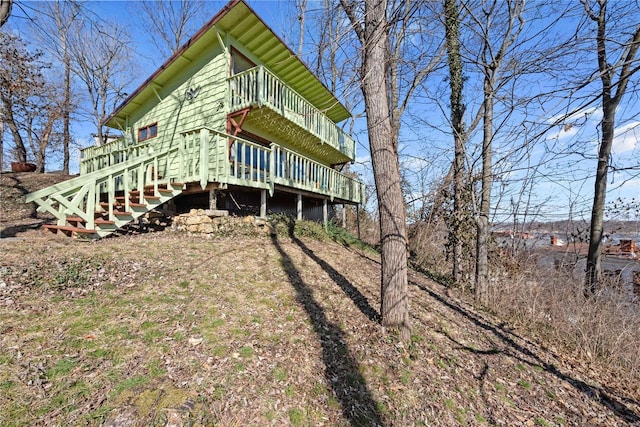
(170, 329)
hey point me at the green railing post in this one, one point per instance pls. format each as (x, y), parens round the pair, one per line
(260, 88)
(272, 166)
(204, 157)
(90, 208)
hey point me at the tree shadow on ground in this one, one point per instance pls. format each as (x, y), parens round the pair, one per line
(529, 357)
(18, 185)
(12, 231)
(342, 371)
(347, 287)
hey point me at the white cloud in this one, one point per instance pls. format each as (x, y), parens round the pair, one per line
(626, 138)
(565, 132)
(570, 125)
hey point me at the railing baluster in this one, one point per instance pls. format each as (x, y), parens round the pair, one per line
(259, 85)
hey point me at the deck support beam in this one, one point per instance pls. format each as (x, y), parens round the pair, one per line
(325, 212)
(299, 207)
(263, 203)
(344, 216)
(358, 220)
(213, 199)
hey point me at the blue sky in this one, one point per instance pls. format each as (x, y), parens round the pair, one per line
(563, 185)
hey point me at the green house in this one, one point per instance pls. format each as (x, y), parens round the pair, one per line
(234, 121)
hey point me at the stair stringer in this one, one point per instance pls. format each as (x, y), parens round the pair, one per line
(134, 213)
(79, 198)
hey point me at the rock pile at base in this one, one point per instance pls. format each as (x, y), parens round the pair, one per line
(216, 222)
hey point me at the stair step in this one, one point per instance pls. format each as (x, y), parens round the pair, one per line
(101, 221)
(76, 219)
(68, 229)
(121, 213)
(105, 205)
(151, 186)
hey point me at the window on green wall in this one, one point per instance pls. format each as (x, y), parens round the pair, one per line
(239, 62)
(147, 132)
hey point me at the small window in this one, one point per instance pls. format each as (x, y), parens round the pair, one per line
(148, 132)
(239, 62)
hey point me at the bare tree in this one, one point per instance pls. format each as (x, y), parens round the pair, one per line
(491, 61)
(53, 25)
(100, 56)
(456, 81)
(374, 39)
(171, 23)
(41, 122)
(20, 79)
(31, 105)
(615, 77)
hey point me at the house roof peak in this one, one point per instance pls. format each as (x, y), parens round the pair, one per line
(239, 23)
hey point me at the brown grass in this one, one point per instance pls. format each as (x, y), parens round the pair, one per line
(170, 329)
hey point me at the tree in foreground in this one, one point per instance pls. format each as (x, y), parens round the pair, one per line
(373, 35)
(615, 77)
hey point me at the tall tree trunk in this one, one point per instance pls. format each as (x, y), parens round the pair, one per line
(452, 35)
(1, 142)
(20, 151)
(386, 168)
(302, 7)
(66, 108)
(610, 102)
(594, 271)
(482, 222)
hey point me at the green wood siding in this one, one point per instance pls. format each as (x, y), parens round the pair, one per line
(172, 109)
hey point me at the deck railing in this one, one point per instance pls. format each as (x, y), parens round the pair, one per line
(258, 86)
(81, 196)
(237, 161)
(205, 155)
(111, 153)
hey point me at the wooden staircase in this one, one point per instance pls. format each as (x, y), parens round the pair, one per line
(123, 210)
(98, 203)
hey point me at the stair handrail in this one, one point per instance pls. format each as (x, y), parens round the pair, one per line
(95, 176)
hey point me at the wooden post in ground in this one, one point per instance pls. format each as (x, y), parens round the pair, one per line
(325, 212)
(358, 220)
(344, 216)
(213, 199)
(263, 203)
(299, 207)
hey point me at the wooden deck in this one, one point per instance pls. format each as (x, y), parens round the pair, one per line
(108, 194)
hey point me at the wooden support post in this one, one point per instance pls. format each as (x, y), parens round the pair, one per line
(263, 203)
(358, 220)
(299, 207)
(213, 199)
(325, 212)
(344, 216)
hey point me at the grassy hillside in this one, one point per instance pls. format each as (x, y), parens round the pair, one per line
(16, 217)
(253, 329)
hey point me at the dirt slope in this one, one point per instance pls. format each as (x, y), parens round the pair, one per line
(16, 217)
(169, 329)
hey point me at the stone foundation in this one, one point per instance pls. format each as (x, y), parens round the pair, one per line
(212, 222)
